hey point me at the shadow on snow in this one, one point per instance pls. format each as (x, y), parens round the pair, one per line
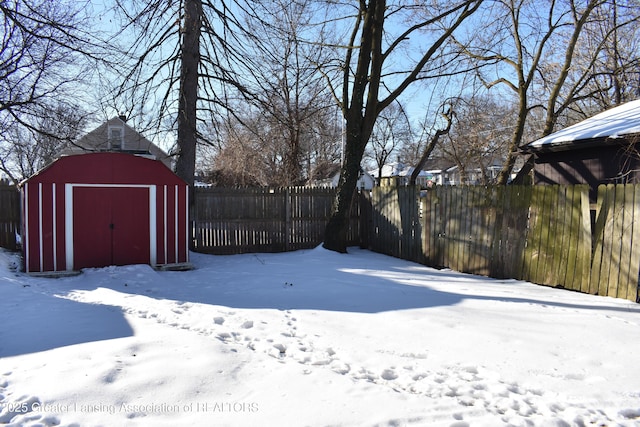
(359, 282)
(33, 321)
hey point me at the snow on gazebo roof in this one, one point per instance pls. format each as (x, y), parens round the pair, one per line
(614, 123)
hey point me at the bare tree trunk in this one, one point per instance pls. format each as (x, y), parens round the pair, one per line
(188, 98)
(335, 235)
(364, 97)
(360, 104)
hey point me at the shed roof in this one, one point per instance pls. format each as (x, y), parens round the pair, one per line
(613, 124)
(106, 167)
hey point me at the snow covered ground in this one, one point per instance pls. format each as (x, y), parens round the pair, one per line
(311, 338)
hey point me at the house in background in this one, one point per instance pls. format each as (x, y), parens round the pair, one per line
(475, 173)
(436, 171)
(388, 170)
(401, 173)
(365, 180)
(116, 136)
(603, 149)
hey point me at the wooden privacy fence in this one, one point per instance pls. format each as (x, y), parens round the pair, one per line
(237, 220)
(548, 235)
(543, 234)
(9, 216)
(616, 259)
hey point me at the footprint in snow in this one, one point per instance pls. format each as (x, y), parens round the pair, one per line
(340, 367)
(21, 410)
(389, 375)
(247, 325)
(281, 350)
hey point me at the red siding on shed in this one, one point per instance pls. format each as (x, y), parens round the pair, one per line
(99, 209)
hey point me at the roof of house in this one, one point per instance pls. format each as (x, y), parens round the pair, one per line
(613, 124)
(388, 169)
(438, 164)
(432, 166)
(98, 140)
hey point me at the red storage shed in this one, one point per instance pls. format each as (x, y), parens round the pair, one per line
(101, 209)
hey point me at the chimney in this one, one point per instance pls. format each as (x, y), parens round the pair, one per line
(122, 117)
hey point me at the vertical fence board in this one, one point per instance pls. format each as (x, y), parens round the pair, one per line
(610, 257)
(406, 204)
(562, 235)
(459, 239)
(463, 239)
(598, 236)
(493, 206)
(533, 236)
(495, 221)
(403, 219)
(625, 243)
(583, 263)
(432, 221)
(581, 259)
(500, 209)
(415, 233)
(513, 226)
(424, 230)
(475, 234)
(547, 238)
(614, 241)
(556, 229)
(439, 226)
(466, 213)
(451, 230)
(572, 217)
(633, 289)
(427, 231)
(446, 212)
(443, 207)
(476, 231)
(608, 212)
(541, 233)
